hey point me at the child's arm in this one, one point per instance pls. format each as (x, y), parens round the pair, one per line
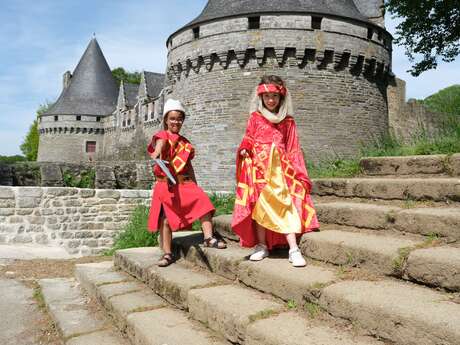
(159, 145)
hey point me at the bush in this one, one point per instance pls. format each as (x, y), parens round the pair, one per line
(12, 159)
(86, 179)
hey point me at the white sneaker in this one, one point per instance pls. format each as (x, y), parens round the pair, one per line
(260, 252)
(296, 258)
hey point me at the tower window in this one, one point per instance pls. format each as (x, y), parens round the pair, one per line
(78, 117)
(56, 118)
(370, 33)
(316, 22)
(90, 146)
(98, 119)
(253, 23)
(124, 123)
(196, 32)
(129, 122)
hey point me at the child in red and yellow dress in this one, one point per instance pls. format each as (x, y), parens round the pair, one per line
(176, 206)
(273, 205)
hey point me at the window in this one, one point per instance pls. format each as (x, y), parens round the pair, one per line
(196, 32)
(370, 33)
(78, 117)
(129, 122)
(56, 118)
(124, 123)
(316, 22)
(253, 23)
(90, 146)
(146, 117)
(98, 119)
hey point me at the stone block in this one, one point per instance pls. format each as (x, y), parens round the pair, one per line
(6, 193)
(423, 316)
(87, 193)
(217, 307)
(51, 175)
(6, 212)
(97, 338)
(439, 266)
(111, 194)
(408, 165)
(105, 177)
(455, 164)
(27, 202)
(24, 211)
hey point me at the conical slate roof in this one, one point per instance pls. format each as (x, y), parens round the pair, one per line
(217, 9)
(92, 89)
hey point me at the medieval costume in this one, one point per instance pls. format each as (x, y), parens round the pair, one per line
(273, 187)
(184, 202)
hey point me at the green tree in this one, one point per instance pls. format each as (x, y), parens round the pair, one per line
(445, 101)
(130, 77)
(430, 29)
(29, 146)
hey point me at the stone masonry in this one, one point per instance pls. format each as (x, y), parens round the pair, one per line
(83, 221)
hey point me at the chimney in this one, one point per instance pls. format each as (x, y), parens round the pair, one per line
(66, 79)
(373, 10)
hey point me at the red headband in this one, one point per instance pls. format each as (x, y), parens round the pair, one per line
(265, 88)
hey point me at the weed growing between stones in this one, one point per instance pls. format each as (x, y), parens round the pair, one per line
(263, 314)
(38, 297)
(86, 179)
(291, 304)
(400, 261)
(312, 309)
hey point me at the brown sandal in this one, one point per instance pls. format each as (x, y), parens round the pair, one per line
(213, 242)
(166, 260)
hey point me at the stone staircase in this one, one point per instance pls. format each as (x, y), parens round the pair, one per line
(385, 269)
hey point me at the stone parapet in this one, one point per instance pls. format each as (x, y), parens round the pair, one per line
(83, 221)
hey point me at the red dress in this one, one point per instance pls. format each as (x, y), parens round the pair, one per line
(273, 187)
(182, 203)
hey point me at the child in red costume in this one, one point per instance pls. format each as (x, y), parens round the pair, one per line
(176, 207)
(273, 205)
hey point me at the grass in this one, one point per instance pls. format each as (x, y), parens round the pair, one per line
(263, 314)
(291, 304)
(400, 261)
(446, 141)
(39, 298)
(135, 234)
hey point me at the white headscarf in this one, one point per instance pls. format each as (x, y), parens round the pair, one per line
(284, 109)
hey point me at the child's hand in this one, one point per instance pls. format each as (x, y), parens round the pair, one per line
(244, 153)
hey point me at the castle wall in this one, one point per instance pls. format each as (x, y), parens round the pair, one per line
(407, 120)
(337, 77)
(83, 221)
(65, 140)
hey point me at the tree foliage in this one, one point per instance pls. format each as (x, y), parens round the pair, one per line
(445, 101)
(129, 77)
(29, 146)
(12, 159)
(430, 29)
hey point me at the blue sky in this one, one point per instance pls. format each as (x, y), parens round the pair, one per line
(42, 39)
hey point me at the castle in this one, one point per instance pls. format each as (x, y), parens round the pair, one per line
(334, 55)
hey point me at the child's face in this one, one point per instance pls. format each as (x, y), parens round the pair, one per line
(174, 121)
(271, 101)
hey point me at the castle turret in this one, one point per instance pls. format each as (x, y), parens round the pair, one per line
(334, 57)
(72, 130)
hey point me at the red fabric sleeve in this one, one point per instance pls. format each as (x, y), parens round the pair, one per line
(159, 135)
(295, 154)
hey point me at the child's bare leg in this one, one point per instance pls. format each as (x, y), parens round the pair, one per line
(292, 240)
(210, 241)
(166, 235)
(295, 256)
(260, 230)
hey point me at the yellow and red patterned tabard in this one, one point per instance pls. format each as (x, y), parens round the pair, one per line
(178, 151)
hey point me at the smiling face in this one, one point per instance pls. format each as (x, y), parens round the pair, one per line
(174, 120)
(271, 101)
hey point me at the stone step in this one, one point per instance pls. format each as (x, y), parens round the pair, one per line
(411, 165)
(76, 321)
(388, 255)
(397, 311)
(444, 222)
(274, 275)
(144, 316)
(242, 315)
(436, 189)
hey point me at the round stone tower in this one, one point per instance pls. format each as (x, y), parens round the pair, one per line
(72, 130)
(334, 55)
